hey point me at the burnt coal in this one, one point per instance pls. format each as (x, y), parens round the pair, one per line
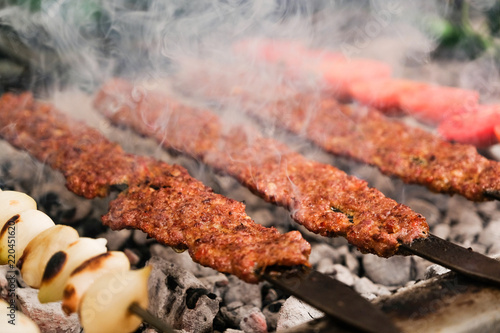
(180, 299)
(295, 312)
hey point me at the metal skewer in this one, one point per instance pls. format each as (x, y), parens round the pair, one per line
(337, 300)
(150, 318)
(455, 257)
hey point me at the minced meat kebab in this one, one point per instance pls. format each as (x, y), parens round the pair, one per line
(161, 200)
(324, 199)
(362, 133)
(413, 154)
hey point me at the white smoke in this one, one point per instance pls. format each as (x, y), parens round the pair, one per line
(96, 39)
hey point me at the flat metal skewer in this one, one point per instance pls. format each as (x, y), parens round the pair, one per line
(150, 318)
(456, 258)
(337, 300)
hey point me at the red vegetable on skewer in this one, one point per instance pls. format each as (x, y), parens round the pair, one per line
(433, 104)
(480, 128)
(383, 94)
(341, 75)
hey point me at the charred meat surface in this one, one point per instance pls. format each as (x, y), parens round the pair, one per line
(161, 200)
(322, 198)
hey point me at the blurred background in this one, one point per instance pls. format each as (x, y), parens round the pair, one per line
(53, 43)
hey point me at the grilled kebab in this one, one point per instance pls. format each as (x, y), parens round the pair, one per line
(361, 133)
(321, 197)
(161, 200)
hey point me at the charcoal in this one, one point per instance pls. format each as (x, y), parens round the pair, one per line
(7, 277)
(419, 267)
(343, 274)
(366, 288)
(249, 294)
(60, 204)
(4, 283)
(488, 209)
(383, 290)
(295, 312)
(26, 177)
(494, 251)
(248, 317)
(265, 217)
(385, 185)
(50, 316)
(480, 248)
(326, 266)
(153, 330)
(141, 238)
(336, 242)
(440, 201)
(351, 262)
(231, 309)
(270, 294)
(427, 209)
(442, 230)
(116, 239)
(180, 299)
(242, 194)
(435, 270)
(182, 260)
(469, 225)
(491, 234)
(457, 206)
(470, 218)
(91, 227)
(46, 186)
(310, 236)
(343, 251)
(365, 172)
(393, 271)
(216, 284)
(254, 321)
(323, 250)
(132, 256)
(271, 312)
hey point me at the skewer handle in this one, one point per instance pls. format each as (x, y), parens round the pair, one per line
(150, 318)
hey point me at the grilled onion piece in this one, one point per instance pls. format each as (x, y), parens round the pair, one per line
(62, 263)
(18, 231)
(33, 261)
(12, 203)
(105, 305)
(85, 274)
